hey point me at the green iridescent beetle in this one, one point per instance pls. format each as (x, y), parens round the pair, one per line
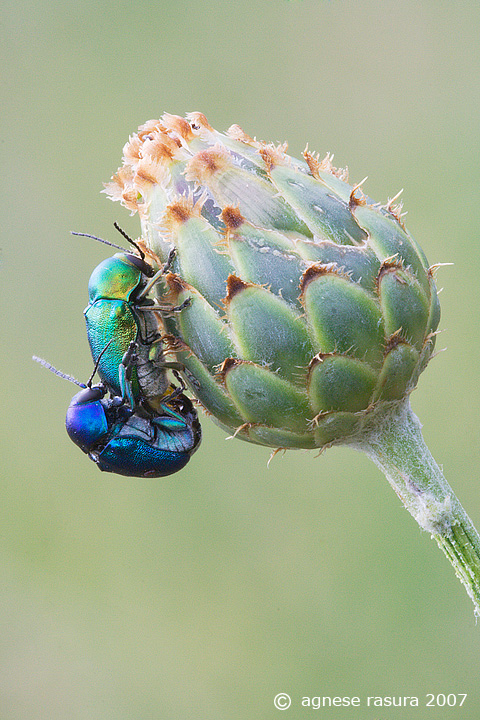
(120, 314)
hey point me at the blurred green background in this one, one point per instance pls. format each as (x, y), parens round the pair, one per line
(205, 594)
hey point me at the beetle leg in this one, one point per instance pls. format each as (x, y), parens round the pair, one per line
(153, 281)
(124, 375)
(171, 413)
(176, 390)
(170, 259)
(164, 308)
(180, 368)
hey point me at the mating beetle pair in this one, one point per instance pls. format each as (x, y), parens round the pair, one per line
(147, 427)
(135, 442)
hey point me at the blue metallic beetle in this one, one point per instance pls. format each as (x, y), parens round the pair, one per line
(136, 442)
(119, 313)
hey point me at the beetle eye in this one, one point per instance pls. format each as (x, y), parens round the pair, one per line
(144, 267)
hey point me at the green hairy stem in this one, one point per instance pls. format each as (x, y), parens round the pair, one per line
(394, 442)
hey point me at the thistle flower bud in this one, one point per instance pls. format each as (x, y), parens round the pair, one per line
(310, 305)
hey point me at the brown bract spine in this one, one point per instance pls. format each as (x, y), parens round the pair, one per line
(394, 341)
(131, 149)
(354, 201)
(389, 265)
(396, 209)
(319, 358)
(153, 257)
(172, 343)
(316, 165)
(236, 133)
(234, 286)
(198, 121)
(178, 126)
(159, 147)
(232, 217)
(206, 163)
(273, 155)
(121, 188)
(176, 284)
(116, 186)
(151, 126)
(130, 200)
(176, 287)
(150, 172)
(180, 211)
(317, 270)
(227, 365)
(433, 268)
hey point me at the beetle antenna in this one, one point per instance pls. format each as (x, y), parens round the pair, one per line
(54, 370)
(94, 237)
(129, 239)
(107, 242)
(89, 381)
